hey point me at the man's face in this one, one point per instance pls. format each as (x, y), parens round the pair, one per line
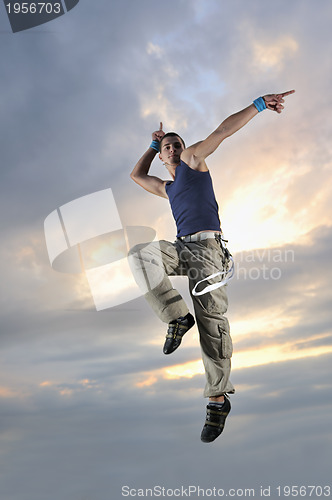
(171, 149)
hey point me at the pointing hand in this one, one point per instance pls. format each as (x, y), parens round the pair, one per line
(274, 101)
(159, 134)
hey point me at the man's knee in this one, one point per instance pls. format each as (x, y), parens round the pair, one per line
(150, 250)
(136, 250)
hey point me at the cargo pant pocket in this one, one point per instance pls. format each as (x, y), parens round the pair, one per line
(226, 343)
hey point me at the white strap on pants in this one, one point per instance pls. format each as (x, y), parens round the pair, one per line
(225, 275)
(228, 275)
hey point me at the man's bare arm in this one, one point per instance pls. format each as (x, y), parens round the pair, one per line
(141, 170)
(195, 155)
(148, 182)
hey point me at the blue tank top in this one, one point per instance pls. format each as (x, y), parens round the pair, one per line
(192, 200)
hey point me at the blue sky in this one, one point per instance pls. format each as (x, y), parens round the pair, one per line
(88, 401)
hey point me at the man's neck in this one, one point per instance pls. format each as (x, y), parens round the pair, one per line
(171, 169)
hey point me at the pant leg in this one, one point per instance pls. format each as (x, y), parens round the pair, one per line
(151, 264)
(205, 258)
(216, 342)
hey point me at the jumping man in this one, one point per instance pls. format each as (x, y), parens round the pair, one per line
(199, 252)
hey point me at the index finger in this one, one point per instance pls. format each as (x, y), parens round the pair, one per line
(287, 93)
(161, 126)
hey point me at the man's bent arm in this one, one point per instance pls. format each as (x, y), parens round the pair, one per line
(148, 182)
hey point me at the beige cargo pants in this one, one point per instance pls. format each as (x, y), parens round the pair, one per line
(152, 263)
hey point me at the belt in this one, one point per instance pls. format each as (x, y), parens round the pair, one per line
(204, 235)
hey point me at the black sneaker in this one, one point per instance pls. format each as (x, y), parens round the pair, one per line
(215, 421)
(175, 332)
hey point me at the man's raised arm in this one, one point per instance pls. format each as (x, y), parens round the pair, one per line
(232, 124)
(140, 172)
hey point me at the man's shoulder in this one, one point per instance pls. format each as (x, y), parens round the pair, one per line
(193, 161)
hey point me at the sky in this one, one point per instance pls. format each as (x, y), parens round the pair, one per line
(89, 403)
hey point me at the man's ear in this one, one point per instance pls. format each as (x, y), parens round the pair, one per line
(160, 158)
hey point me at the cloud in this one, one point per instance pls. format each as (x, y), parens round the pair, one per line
(155, 50)
(279, 408)
(275, 55)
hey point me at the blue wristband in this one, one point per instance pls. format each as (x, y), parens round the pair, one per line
(155, 145)
(260, 104)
